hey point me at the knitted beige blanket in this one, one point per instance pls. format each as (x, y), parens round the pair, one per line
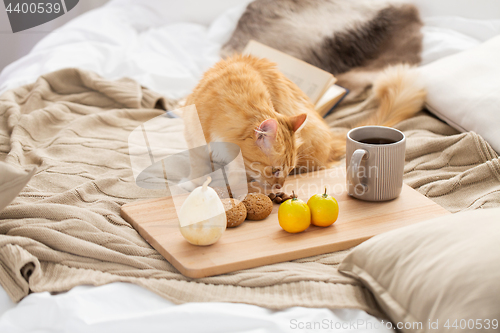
(65, 229)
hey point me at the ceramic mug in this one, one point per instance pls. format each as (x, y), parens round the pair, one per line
(375, 157)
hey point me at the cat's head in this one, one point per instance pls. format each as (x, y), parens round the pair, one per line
(274, 153)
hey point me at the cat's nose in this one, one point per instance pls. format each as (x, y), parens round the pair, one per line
(278, 186)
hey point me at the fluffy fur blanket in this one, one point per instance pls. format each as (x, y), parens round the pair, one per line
(352, 39)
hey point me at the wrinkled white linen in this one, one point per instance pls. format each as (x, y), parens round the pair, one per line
(124, 308)
(447, 35)
(166, 45)
(130, 38)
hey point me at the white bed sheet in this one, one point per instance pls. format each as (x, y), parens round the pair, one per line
(166, 45)
(127, 308)
(138, 39)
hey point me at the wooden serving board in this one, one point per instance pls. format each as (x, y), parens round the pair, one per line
(257, 243)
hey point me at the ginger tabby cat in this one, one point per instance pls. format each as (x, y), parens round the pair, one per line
(246, 101)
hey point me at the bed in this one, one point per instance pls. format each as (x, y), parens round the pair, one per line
(166, 46)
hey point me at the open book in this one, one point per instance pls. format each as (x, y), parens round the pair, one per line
(317, 84)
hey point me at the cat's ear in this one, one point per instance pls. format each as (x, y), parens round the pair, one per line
(298, 122)
(265, 134)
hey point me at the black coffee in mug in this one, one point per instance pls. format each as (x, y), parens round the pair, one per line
(375, 160)
(377, 141)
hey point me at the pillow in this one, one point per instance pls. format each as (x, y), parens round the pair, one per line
(442, 275)
(464, 90)
(12, 181)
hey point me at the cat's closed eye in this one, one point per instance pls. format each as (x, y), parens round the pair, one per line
(278, 172)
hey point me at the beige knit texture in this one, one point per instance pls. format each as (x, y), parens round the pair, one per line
(65, 229)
